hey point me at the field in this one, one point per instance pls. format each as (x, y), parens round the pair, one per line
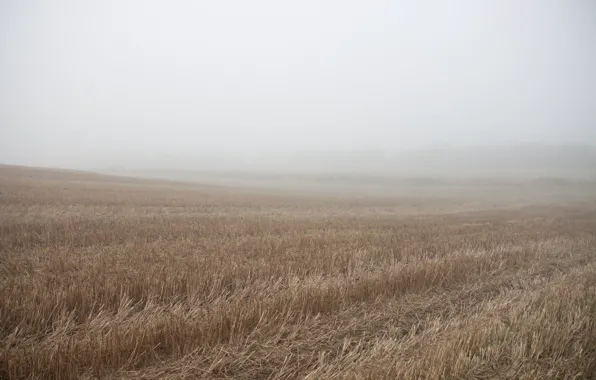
(104, 277)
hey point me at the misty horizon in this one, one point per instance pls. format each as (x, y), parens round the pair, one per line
(89, 84)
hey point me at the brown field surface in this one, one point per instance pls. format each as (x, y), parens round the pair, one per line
(116, 278)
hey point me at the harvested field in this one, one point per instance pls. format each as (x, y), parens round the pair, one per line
(115, 278)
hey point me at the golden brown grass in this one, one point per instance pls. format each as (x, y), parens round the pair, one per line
(113, 278)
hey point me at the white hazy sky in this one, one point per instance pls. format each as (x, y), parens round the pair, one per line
(101, 81)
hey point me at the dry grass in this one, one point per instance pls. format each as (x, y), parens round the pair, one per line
(111, 278)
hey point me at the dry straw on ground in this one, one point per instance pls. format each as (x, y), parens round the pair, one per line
(111, 278)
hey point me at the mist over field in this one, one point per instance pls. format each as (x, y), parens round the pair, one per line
(507, 161)
(421, 87)
(315, 189)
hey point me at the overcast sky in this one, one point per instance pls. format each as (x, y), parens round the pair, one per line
(101, 81)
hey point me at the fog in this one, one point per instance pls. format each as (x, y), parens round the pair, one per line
(208, 84)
